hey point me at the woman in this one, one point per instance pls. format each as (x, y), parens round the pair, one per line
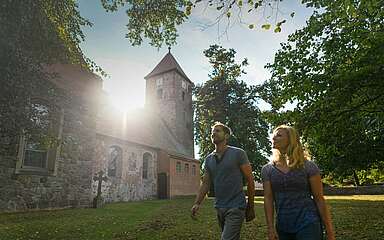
(292, 185)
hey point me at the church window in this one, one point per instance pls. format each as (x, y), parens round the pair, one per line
(147, 158)
(36, 145)
(132, 159)
(115, 157)
(178, 167)
(159, 82)
(159, 93)
(183, 95)
(186, 169)
(183, 84)
(193, 170)
(40, 144)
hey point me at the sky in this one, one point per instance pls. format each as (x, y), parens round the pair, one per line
(127, 65)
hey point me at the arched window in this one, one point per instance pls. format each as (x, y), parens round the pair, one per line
(178, 167)
(193, 170)
(115, 156)
(147, 158)
(159, 93)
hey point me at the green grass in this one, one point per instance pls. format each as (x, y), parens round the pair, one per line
(355, 217)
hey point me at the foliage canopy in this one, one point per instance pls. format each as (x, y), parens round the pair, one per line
(35, 33)
(333, 70)
(229, 100)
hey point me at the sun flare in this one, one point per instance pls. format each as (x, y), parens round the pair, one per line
(126, 103)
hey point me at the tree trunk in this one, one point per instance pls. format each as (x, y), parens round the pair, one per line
(356, 178)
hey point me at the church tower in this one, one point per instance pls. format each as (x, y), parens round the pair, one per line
(169, 92)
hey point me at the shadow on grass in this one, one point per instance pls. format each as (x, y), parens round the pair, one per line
(354, 218)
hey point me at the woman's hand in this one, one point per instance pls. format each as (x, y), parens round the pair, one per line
(331, 236)
(272, 234)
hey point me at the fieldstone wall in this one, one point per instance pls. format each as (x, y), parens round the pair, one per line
(70, 184)
(128, 183)
(360, 190)
(184, 116)
(68, 178)
(173, 109)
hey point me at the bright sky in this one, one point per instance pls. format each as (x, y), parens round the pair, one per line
(127, 65)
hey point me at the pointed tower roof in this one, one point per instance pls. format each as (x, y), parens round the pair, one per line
(168, 63)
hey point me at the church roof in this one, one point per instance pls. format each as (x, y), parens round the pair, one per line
(168, 63)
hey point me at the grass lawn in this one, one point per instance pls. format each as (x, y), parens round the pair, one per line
(355, 217)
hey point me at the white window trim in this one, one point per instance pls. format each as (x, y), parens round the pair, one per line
(52, 154)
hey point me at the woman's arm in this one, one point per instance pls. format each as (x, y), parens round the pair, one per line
(268, 210)
(317, 191)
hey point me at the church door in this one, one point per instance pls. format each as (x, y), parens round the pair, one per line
(162, 186)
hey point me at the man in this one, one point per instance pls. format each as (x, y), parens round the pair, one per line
(226, 168)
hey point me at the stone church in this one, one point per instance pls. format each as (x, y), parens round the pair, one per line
(145, 154)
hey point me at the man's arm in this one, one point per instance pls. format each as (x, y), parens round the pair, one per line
(203, 190)
(246, 169)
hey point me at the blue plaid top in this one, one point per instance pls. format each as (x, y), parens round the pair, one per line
(293, 200)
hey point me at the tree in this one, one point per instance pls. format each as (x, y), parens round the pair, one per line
(37, 33)
(333, 70)
(226, 99)
(157, 20)
(34, 34)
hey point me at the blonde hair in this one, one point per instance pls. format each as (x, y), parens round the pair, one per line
(295, 153)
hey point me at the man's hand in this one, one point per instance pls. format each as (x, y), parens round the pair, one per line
(194, 210)
(249, 213)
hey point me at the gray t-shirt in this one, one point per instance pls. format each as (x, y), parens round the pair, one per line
(227, 178)
(294, 204)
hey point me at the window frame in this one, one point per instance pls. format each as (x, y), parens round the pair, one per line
(146, 170)
(159, 82)
(117, 162)
(193, 170)
(159, 93)
(186, 168)
(56, 121)
(178, 167)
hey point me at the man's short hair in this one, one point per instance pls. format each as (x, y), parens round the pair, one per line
(226, 129)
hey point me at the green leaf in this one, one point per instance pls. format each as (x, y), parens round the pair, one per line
(292, 14)
(251, 26)
(277, 29)
(266, 26)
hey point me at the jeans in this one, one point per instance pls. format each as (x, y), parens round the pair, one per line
(312, 231)
(230, 221)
